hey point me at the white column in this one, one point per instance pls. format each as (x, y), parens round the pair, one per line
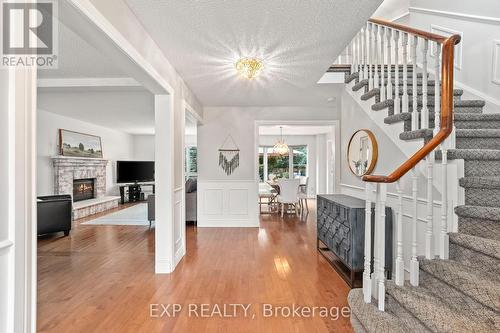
(367, 283)
(397, 99)
(414, 273)
(290, 162)
(18, 242)
(444, 238)
(413, 54)
(429, 230)
(404, 98)
(380, 228)
(399, 272)
(164, 180)
(425, 110)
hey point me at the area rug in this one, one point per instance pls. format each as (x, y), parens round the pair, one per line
(135, 215)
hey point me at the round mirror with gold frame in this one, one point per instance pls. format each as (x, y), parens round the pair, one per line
(362, 152)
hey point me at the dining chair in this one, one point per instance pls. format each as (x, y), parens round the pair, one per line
(266, 192)
(289, 194)
(303, 190)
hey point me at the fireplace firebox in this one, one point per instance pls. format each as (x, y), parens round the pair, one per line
(83, 189)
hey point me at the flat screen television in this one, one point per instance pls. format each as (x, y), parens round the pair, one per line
(135, 171)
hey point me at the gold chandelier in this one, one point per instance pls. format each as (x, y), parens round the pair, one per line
(281, 148)
(249, 67)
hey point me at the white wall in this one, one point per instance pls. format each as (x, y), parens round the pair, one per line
(115, 145)
(479, 22)
(392, 9)
(240, 122)
(143, 147)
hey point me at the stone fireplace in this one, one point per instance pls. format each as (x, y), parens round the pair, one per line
(69, 169)
(85, 180)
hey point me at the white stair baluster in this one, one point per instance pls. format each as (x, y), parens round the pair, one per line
(413, 54)
(388, 34)
(382, 63)
(414, 260)
(370, 56)
(367, 283)
(359, 52)
(380, 226)
(444, 238)
(365, 53)
(404, 97)
(376, 77)
(352, 60)
(397, 100)
(429, 228)
(400, 273)
(425, 110)
(437, 89)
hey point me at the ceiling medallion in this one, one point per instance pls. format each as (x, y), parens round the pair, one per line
(249, 67)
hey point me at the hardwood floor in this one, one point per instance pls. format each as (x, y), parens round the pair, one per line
(101, 279)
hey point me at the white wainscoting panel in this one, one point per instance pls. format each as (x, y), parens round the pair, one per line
(496, 62)
(228, 203)
(436, 29)
(179, 224)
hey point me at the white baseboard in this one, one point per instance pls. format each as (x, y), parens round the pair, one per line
(163, 267)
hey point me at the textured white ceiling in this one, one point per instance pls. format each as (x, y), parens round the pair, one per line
(294, 130)
(128, 111)
(77, 58)
(298, 40)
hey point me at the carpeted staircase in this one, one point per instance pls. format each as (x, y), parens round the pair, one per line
(461, 294)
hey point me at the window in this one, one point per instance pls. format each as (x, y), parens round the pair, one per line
(299, 161)
(191, 155)
(277, 166)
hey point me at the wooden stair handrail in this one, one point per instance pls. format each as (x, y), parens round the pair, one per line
(446, 127)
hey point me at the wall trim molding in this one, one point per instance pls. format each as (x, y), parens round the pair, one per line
(496, 63)
(84, 82)
(163, 266)
(456, 15)
(477, 93)
(399, 17)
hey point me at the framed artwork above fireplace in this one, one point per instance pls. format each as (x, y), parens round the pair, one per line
(77, 144)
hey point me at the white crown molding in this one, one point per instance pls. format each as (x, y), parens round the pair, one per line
(456, 15)
(85, 82)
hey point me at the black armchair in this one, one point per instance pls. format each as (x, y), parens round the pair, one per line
(54, 214)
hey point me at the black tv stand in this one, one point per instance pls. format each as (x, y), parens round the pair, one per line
(134, 191)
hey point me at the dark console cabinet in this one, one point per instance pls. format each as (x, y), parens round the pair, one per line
(341, 235)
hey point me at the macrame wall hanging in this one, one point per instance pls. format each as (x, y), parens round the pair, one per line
(229, 155)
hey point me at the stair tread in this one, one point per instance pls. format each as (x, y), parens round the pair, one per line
(417, 134)
(435, 313)
(430, 103)
(481, 287)
(479, 212)
(476, 116)
(472, 154)
(478, 133)
(490, 182)
(350, 77)
(486, 246)
(360, 85)
(372, 319)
